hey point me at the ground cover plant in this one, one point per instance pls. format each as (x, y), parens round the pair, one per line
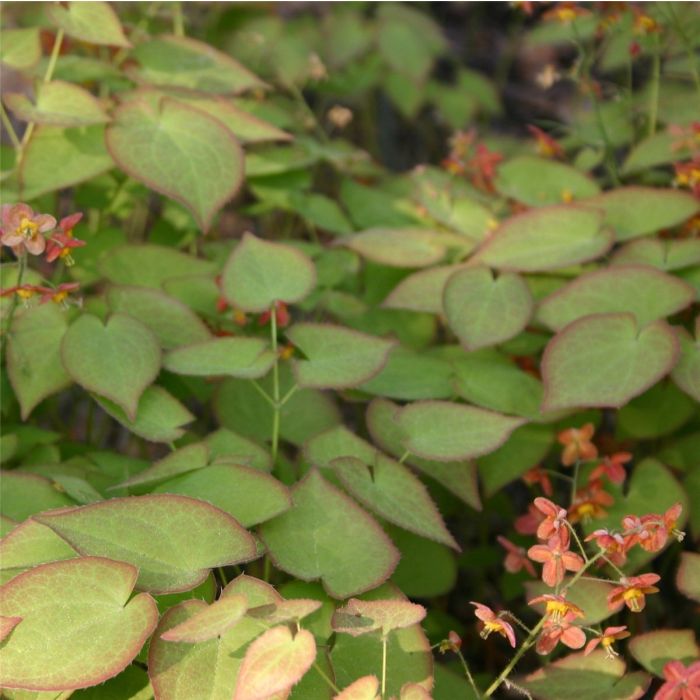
(350, 351)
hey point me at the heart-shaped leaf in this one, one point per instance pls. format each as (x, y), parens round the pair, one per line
(365, 688)
(304, 541)
(337, 357)
(446, 431)
(246, 358)
(647, 293)
(664, 254)
(686, 374)
(117, 360)
(191, 157)
(47, 650)
(654, 650)
(546, 239)
(209, 622)
(287, 610)
(260, 273)
(400, 247)
(362, 616)
(166, 537)
(290, 656)
(21, 48)
(169, 319)
(688, 576)
(394, 493)
(22, 495)
(421, 291)
(413, 691)
(160, 416)
(483, 309)
(605, 360)
(225, 445)
(93, 22)
(34, 356)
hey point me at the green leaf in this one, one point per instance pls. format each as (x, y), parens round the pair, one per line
(247, 494)
(589, 594)
(225, 445)
(661, 148)
(170, 320)
(209, 622)
(117, 360)
(421, 291)
(646, 293)
(176, 61)
(639, 211)
(131, 684)
(674, 254)
(483, 309)
(290, 656)
(260, 273)
(49, 599)
(605, 360)
(654, 650)
(20, 48)
(336, 357)
(327, 536)
(686, 374)
(166, 537)
(94, 22)
(688, 575)
(34, 355)
(22, 495)
(150, 265)
(533, 241)
(394, 493)
(539, 181)
(594, 676)
(363, 616)
(246, 358)
(365, 688)
(58, 103)
(446, 431)
(159, 418)
(178, 151)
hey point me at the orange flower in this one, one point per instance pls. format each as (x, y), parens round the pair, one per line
(557, 607)
(22, 229)
(652, 531)
(606, 639)
(564, 12)
(632, 592)
(688, 175)
(553, 527)
(577, 444)
(539, 476)
(546, 145)
(60, 244)
(562, 631)
(613, 544)
(589, 503)
(612, 467)
(557, 561)
(493, 623)
(516, 559)
(682, 683)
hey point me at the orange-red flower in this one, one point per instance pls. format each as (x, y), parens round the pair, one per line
(57, 294)
(528, 523)
(557, 561)
(281, 315)
(613, 544)
(516, 558)
(493, 623)
(564, 12)
(632, 592)
(682, 683)
(22, 229)
(554, 524)
(546, 145)
(606, 639)
(590, 503)
(688, 175)
(562, 631)
(60, 244)
(539, 476)
(612, 467)
(557, 607)
(652, 531)
(577, 444)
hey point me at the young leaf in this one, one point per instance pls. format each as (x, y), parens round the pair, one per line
(365, 688)
(287, 610)
(22, 495)
(421, 291)
(290, 657)
(654, 650)
(178, 151)
(664, 254)
(166, 537)
(169, 320)
(260, 273)
(34, 356)
(246, 358)
(686, 374)
(93, 22)
(326, 535)
(20, 48)
(483, 309)
(336, 356)
(160, 417)
(605, 360)
(399, 247)
(117, 360)
(647, 293)
(446, 431)
(209, 622)
(413, 691)
(225, 445)
(47, 650)
(393, 492)
(546, 239)
(362, 616)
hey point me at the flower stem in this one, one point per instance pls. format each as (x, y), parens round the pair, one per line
(383, 667)
(404, 456)
(178, 20)
(7, 123)
(468, 674)
(22, 262)
(574, 481)
(275, 385)
(655, 81)
(321, 673)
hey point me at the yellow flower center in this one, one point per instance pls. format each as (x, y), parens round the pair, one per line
(556, 609)
(24, 293)
(28, 228)
(566, 195)
(607, 641)
(632, 596)
(491, 626)
(59, 296)
(566, 14)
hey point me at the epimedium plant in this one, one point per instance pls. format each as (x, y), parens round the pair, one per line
(240, 439)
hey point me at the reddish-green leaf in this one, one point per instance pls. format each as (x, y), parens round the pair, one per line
(365, 688)
(654, 650)
(664, 254)
(688, 575)
(327, 536)
(421, 291)
(363, 616)
(605, 360)
(400, 247)
(47, 650)
(546, 239)
(483, 309)
(167, 537)
(22, 495)
(686, 374)
(209, 622)
(93, 22)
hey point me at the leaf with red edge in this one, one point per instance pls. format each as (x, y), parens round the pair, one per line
(654, 650)
(209, 622)
(7, 624)
(413, 691)
(286, 610)
(365, 688)
(274, 662)
(686, 374)
(93, 22)
(605, 360)
(363, 616)
(401, 247)
(327, 535)
(49, 650)
(178, 151)
(167, 537)
(421, 291)
(546, 239)
(688, 576)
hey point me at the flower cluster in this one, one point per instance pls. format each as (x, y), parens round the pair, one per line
(472, 159)
(58, 295)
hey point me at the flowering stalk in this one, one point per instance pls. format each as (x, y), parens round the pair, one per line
(22, 261)
(275, 384)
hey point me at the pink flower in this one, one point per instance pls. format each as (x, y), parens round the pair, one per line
(607, 638)
(554, 524)
(539, 476)
(632, 592)
(516, 558)
(23, 229)
(556, 561)
(57, 294)
(577, 444)
(60, 244)
(681, 683)
(651, 531)
(613, 544)
(527, 524)
(493, 623)
(562, 631)
(612, 467)
(557, 607)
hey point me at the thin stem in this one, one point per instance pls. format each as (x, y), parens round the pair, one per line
(517, 620)
(574, 481)
(262, 392)
(7, 123)
(321, 673)
(266, 569)
(13, 305)
(289, 395)
(54, 56)
(614, 566)
(178, 20)
(384, 666)
(275, 385)
(467, 673)
(404, 456)
(558, 475)
(655, 81)
(692, 60)
(222, 576)
(572, 529)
